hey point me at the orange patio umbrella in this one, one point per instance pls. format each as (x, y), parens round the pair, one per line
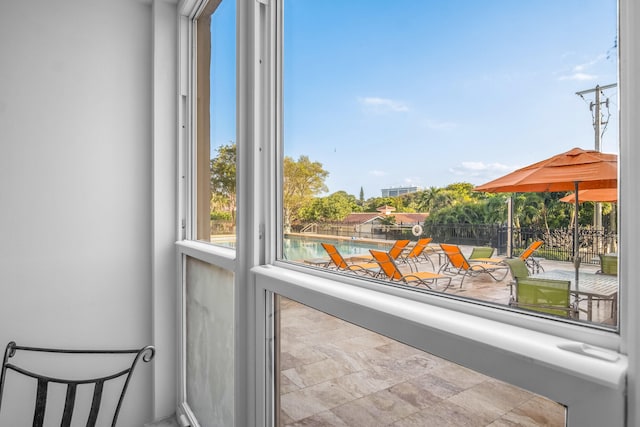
(595, 195)
(576, 170)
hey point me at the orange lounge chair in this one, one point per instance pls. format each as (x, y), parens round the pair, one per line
(458, 264)
(340, 264)
(390, 269)
(395, 251)
(417, 253)
(527, 256)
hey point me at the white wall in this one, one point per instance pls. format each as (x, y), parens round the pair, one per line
(76, 178)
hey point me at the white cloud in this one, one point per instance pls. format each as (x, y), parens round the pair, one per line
(383, 104)
(378, 173)
(579, 72)
(474, 171)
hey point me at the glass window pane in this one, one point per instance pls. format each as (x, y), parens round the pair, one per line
(334, 373)
(216, 123)
(395, 116)
(210, 343)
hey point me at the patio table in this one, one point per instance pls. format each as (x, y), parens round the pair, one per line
(590, 285)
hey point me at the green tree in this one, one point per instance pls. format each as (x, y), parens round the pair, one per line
(374, 203)
(433, 199)
(361, 200)
(334, 207)
(223, 180)
(303, 179)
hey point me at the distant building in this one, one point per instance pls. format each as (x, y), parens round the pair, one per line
(399, 191)
(367, 222)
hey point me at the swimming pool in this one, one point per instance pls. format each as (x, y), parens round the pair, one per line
(297, 248)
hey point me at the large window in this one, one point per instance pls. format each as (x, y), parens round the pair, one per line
(394, 114)
(374, 93)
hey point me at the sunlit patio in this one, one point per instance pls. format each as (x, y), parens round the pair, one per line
(482, 287)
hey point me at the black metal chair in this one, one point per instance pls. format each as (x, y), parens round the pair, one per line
(41, 382)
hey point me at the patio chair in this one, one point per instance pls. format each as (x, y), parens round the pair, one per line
(395, 251)
(518, 269)
(340, 264)
(533, 263)
(19, 375)
(458, 264)
(545, 296)
(417, 253)
(483, 254)
(390, 269)
(608, 264)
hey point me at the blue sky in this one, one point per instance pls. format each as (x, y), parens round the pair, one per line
(427, 93)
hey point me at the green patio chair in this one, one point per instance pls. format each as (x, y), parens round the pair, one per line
(609, 264)
(545, 296)
(518, 269)
(483, 254)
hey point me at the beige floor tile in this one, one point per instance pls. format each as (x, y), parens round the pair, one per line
(458, 375)
(436, 385)
(364, 382)
(491, 399)
(315, 373)
(286, 385)
(303, 355)
(313, 400)
(323, 419)
(377, 409)
(445, 414)
(417, 397)
(538, 411)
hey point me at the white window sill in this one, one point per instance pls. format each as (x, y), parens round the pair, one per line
(546, 364)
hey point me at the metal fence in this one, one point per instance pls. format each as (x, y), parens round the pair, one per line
(558, 243)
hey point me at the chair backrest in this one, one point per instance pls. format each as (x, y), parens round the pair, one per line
(387, 265)
(419, 247)
(609, 264)
(397, 248)
(531, 249)
(455, 256)
(481, 252)
(335, 256)
(517, 267)
(112, 382)
(544, 295)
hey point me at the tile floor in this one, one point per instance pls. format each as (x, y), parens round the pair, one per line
(336, 374)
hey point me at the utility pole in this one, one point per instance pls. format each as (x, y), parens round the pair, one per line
(597, 126)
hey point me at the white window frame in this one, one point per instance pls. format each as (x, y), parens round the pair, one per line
(475, 336)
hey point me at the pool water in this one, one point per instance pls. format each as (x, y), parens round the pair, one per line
(300, 248)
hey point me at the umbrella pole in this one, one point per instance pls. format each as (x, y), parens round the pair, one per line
(576, 243)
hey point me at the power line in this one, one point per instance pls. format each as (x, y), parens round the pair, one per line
(596, 110)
